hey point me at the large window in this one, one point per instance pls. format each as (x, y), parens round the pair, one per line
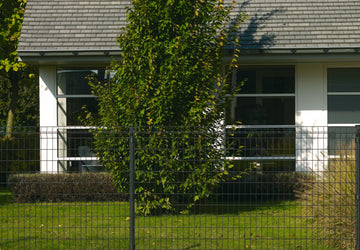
(74, 96)
(267, 97)
(261, 117)
(74, 93)
(343, 106)
(343, 95)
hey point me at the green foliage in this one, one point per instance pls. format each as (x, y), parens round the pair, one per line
(330, 202)
(11, 16)
(27, 98)
(171, 84)
(63, 187)
(18, 82)
(265, 186)
(19, 155)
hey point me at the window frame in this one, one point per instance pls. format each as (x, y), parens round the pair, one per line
(339, 93)
(263, 159)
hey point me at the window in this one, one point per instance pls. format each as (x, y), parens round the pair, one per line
(343, 106)
(343, 95)
(265, 107)
(75, 141)
(74, 92)
(266, 98)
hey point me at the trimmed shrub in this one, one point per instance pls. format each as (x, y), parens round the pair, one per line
(63, 187)
(259, 186)
(330, 203)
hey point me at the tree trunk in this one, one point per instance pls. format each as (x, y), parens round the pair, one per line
(14, 93)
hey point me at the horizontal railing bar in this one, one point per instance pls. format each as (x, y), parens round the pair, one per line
(260, 126)
(76, 96)
(263, 95)
(227, 126)
(253, 158)
(77, 127)
(342, 125)
(90, 158)
(344, 93)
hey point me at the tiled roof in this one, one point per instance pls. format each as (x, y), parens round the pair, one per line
(77, 25)
(71, 25)
(301, 24)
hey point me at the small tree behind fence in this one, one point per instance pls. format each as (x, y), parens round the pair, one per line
(187, 161)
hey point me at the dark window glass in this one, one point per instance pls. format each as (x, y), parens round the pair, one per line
(273, 80)
(343, 80)
(341, 139)
(76, 82)
(74, 109)
(344, 109)
(262, 111)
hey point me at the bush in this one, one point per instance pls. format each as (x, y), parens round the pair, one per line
(330, 203)
(173, 168)
(63, 187)
(258, 186)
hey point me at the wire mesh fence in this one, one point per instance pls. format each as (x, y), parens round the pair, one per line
(236, 187)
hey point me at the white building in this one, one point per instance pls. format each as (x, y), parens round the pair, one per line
(301, 58)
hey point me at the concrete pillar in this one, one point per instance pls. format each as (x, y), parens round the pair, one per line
(311, 117)
(48, 120)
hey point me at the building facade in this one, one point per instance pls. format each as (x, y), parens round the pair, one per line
(300, 59)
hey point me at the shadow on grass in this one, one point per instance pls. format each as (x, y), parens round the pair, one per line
(216, 204)
(222, 208)
(18, 240)
(5, 196)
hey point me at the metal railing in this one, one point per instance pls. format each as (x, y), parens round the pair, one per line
(237, 187)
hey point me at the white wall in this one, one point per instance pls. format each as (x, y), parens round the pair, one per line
(311, 112)
(48, 120)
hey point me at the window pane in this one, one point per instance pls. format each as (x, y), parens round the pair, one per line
(341, 139)
(344, 80)
(268, 80)
(70, 109)
(265, 166)
(343, 109)
(260, 142)
(78, 143)
(262, 110)
(75, 82)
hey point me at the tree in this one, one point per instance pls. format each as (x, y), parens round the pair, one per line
(170, 82)
(18, 87)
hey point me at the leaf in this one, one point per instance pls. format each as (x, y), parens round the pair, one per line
(7, 67)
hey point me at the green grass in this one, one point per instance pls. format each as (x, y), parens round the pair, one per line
(105, 225)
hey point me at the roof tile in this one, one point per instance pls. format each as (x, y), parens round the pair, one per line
(67, 25)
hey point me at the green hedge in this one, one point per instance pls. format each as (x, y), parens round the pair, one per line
(63, 187)
(269, 186)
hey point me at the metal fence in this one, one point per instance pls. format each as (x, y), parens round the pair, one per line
(236, 187)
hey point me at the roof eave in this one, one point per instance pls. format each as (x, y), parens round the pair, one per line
(83, 57)
(293, 55)
(68, 57)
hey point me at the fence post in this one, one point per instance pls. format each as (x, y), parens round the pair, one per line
(357, 185)
(132, 188)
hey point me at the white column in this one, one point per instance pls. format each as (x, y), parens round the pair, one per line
(311, 117)
(48, 120)
(62, 122)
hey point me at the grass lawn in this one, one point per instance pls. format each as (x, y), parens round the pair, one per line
(105, 226)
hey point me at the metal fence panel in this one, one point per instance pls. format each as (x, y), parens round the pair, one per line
(241, 187)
